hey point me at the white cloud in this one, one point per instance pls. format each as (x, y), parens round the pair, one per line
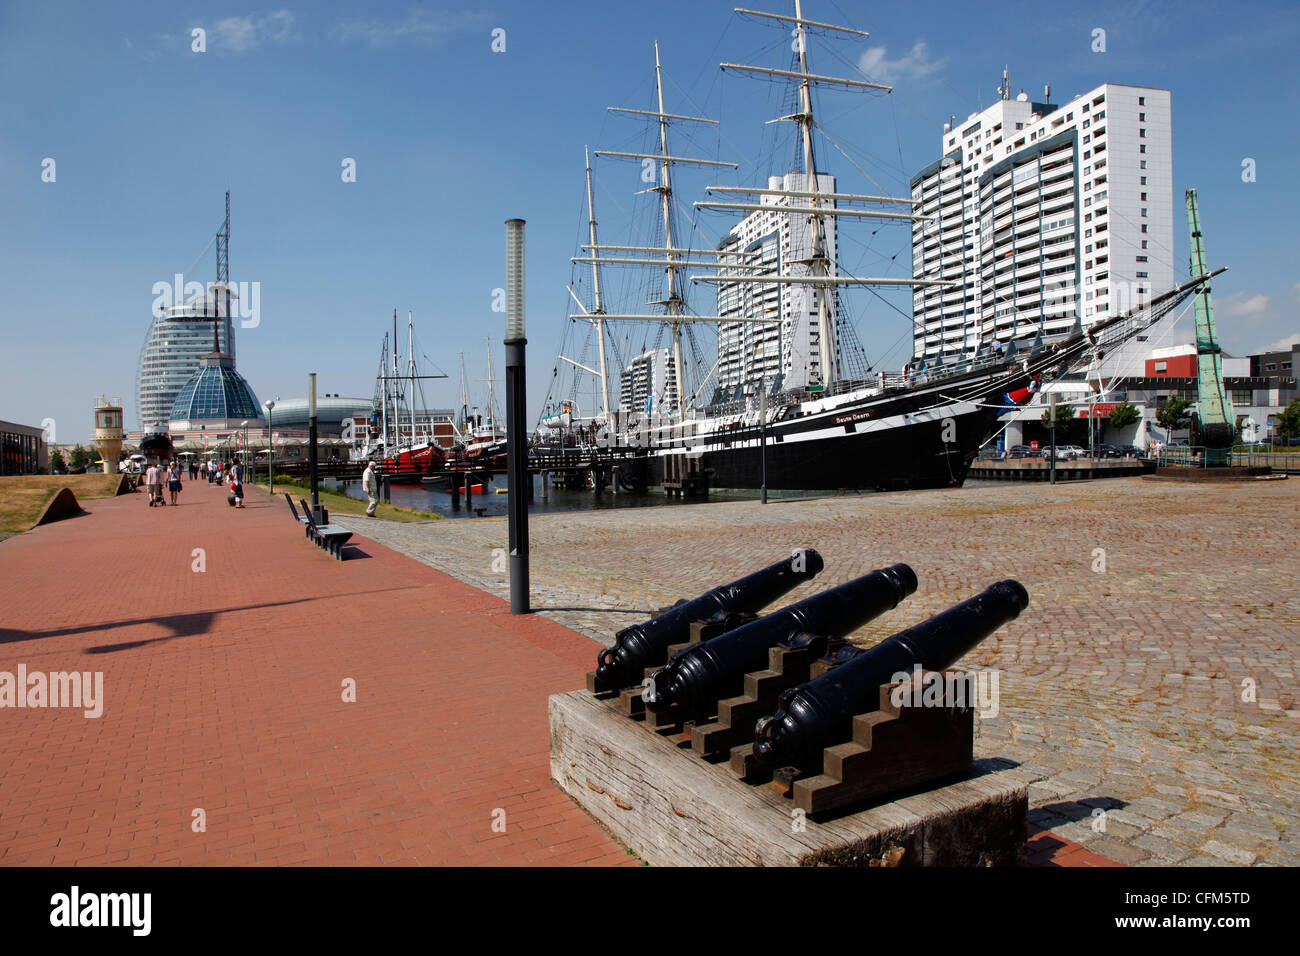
(419, 27)
(1238, 304)
(240, 34)
(1283, 344)
(913, 66)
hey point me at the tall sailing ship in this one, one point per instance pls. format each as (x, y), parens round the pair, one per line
(814, 420)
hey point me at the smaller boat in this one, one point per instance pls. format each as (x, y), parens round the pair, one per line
(483, 441)
(157, 442)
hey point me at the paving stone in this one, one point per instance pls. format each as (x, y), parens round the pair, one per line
(1199, 819)
(1163, 850)
(1119, 850)
(1080, 831)
(1176, 835)
(1244, 839)
(1230, 853)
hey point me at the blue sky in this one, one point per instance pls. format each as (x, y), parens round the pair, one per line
(451, 138)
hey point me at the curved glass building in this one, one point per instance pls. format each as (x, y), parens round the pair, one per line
(178, 340)
(216, 396)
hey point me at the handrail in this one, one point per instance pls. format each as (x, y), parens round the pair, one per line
(1182, 455)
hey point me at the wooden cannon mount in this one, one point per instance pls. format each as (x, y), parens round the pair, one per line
(898, 747)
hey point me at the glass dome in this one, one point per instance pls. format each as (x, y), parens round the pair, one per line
(216, 390)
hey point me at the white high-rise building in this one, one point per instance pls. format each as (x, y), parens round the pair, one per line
(179, 337)
(784, 354)
(1046, 217)
(649, 383)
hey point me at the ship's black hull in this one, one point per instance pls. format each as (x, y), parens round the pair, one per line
(901, 457)
(922, 437)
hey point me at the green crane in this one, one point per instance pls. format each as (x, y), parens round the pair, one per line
(1213, 425)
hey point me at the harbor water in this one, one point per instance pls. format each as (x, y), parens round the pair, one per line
(491, 504)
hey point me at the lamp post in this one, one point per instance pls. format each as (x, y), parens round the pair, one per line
(244, 456)
(1052, 453)
(516, 417)
(270, 445)
(311, 450)
(762, 434)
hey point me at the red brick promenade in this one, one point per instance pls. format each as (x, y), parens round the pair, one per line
(223, 693)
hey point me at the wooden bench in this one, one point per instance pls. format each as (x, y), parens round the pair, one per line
(331, 537)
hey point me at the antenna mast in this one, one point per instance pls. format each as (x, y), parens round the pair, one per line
(222, 288)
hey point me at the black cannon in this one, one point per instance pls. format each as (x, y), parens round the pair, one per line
(646, 645)
(701, 675)
(819, 714)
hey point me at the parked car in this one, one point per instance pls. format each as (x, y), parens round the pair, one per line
(1130, 451)
(988, 453)
(1106, 451)
(1021, 451)
(1065, 452)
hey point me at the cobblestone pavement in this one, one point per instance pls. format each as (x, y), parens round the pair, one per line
(1150, 685)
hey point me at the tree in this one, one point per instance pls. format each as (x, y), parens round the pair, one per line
(1287, 424)
(57, 463)
(80, 456)
(1124, 414)
(1174, 413)
(1068, 427)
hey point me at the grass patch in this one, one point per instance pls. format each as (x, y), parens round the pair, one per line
(23, 497)
(338, 503)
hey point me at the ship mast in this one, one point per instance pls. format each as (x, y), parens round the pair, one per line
(817, 206)
(397, 392)
(595, 284)
(464, 399)
(410, 366)
(674, 300)
(383, 380)
(492, 401)
(674, 258)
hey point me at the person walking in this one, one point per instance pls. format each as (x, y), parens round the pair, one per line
(237, 482)
(174, 481)
(370, 482)
(151, 482)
